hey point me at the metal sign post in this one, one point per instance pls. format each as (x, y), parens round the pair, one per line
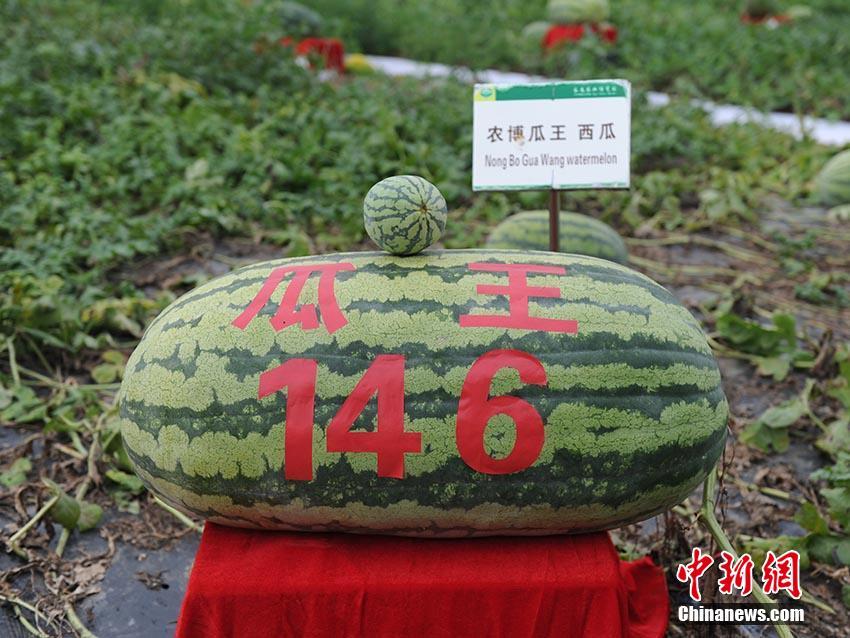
(554, 220)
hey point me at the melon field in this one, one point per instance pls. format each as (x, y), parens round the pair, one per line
(148, 147)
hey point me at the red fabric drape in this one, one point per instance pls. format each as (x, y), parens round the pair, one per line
(329, 49)
(248, 584)
(560, 34)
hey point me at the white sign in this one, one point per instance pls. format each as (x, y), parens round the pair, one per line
(562, 135)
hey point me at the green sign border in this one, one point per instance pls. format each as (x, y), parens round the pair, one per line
(587, 89)
(564, 187)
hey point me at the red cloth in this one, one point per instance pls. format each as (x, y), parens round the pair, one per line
(559, 34)
(329, 49)
(248, 584)
(608, 32)
(776, 19)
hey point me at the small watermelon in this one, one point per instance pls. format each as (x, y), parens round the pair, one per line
(799, 12)
(404, 214)
(761, 8)
(579, 234)
(298, 20)
(534, 32)
(455, 393)
(840, 213)
(832, 185)
(574, 11)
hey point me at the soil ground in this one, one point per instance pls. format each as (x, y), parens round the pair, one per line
(128, 577)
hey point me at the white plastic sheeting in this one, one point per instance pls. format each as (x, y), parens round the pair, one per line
(822, 131)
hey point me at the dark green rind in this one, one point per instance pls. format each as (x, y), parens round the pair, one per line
(610, 483)
(579, 234)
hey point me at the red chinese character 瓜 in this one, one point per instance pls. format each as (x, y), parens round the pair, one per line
(737, 574)
(782, 572)
(518, 292)
(692, 571)
(288, 313)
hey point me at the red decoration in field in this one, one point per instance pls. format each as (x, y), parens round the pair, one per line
(771, 21)
(476, 408)
(288, 313)
(607, 32)
(329, 49)
(561, 34)
(518, 292)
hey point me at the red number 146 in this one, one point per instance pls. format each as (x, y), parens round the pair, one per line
(389, 441)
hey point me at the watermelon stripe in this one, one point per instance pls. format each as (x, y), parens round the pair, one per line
(608, 271)
(537, 485)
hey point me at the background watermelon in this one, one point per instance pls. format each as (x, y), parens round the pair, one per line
(832, 185)
(298, 20)
(579, 234)
(761, 8)
(404, 214)
(633, 409)
(534, 32)
(573, 11)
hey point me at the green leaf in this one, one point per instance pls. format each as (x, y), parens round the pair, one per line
(845, 595)
(785, 414)
(65, 511)
(130, 482)
(829, 549)
(125, 502)
(836, 439)
(751, 337)
(810, 519)
(120, 456)
(758, 547)
(770, 430)
(763, 437)
(838, 499)
(105, 373)
(90, 515)
(776, 367)
(839, 387)
(6, 396)
(17, 473)
(114, 357)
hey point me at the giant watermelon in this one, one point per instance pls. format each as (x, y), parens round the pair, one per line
(515, 393)
(577, 234)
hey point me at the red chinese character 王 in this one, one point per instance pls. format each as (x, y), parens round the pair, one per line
(518, 293)
(782, 572)
(736, 574)
(693, 570)
(288, 313)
